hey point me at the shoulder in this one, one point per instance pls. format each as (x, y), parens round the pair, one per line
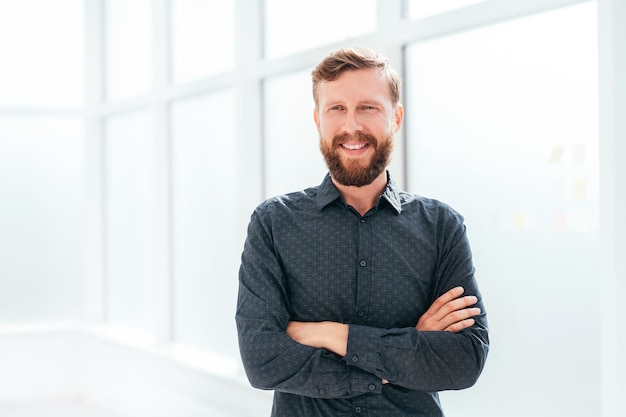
(433, 209)
(298, 200)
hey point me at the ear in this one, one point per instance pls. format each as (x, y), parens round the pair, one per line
(316, 117)
(398, 117)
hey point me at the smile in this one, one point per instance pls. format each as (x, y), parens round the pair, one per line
(354, 146)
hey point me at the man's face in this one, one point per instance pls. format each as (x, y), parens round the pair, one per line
(357, 122)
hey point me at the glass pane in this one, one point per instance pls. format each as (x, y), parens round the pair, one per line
(42, 53)
(128, 48)
(129, 216)
(202, 37)
(293, 26)
(420, 9)
(292, 157)
(502, 125)
(206, 248)
(41, 219)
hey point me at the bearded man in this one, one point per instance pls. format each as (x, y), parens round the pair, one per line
(355, 297)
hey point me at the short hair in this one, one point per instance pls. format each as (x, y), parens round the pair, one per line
(351, 59)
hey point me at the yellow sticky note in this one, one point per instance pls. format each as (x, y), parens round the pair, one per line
(556, 155)
(579, 190)
(519, 220)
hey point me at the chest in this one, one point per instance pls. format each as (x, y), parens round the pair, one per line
(376, 271)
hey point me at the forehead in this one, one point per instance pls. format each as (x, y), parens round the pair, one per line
(361, 84)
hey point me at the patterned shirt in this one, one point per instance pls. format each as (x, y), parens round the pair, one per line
(311, 257)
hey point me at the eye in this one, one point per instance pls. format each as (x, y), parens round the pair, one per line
(368, 107)
(336, 107)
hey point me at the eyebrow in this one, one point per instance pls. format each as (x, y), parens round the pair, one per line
(369, 101)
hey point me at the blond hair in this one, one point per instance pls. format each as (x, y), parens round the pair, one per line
(351, 59)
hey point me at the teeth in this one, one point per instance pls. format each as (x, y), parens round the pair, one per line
(354, 147)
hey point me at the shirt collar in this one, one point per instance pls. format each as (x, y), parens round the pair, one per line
(327, 193)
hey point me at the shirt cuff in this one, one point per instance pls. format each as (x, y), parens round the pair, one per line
(366, 351)
(362, 350)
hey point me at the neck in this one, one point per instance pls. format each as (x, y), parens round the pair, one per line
(365, 197)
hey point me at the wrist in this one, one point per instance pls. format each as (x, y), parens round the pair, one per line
(336, 337)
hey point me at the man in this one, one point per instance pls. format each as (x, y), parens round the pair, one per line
(356, 298)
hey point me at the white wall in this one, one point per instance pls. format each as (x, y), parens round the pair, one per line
(503, 126)
(41, 162)
(612, 87)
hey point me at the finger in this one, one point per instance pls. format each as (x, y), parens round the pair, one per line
(444, 299)
(460, 325)
(461, 302)
(454, 305)
(459, 316)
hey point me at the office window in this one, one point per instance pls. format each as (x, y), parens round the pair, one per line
(129, 219)
(41, 218)
(420, 9)
(292, 157)
(502, 125)
(42, 53)
(203, 38)
(128, 40)
(206, 247)
(292, 26)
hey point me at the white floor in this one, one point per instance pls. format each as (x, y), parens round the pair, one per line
(55, 408)
(70, 407)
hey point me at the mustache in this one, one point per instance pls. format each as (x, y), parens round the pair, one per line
(356, 137)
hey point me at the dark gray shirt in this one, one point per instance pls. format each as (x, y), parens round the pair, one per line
(310, 257)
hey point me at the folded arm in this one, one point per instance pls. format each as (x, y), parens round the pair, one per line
(451, 312)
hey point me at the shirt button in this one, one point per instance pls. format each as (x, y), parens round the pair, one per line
(371, 387)
(363, 263)
(362, 220)
(355, 359)
(357, 410)
(361, 314)
(322, 391)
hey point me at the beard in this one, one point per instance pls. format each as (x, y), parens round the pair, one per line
(355, 172)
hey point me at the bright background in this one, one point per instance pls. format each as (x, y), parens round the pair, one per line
(136, 137)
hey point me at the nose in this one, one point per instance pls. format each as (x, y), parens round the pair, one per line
(352, 123)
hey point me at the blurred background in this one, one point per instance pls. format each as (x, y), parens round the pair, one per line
(137, 136)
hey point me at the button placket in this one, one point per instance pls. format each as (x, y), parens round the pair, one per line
(363, 260)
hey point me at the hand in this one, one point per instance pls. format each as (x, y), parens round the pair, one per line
(326, 334)
(450, 312)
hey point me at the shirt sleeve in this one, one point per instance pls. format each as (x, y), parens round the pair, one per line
(429, 360)
(271, 359)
